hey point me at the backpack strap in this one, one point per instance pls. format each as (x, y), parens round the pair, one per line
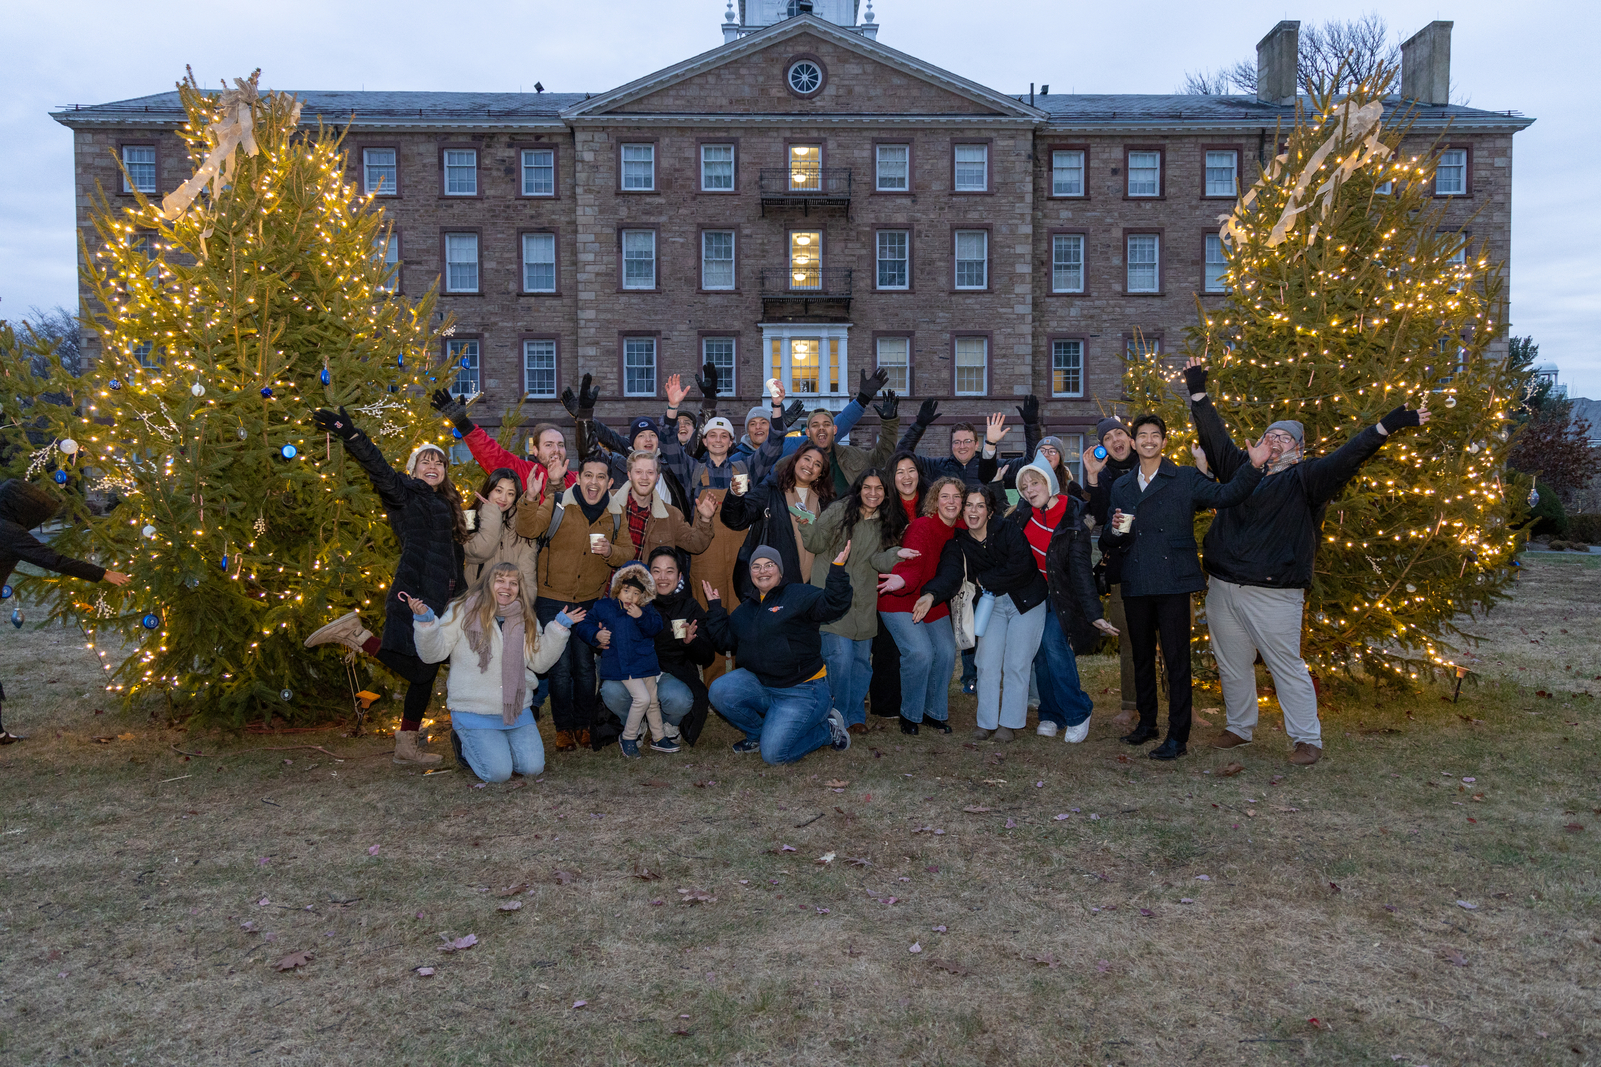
(543, 540)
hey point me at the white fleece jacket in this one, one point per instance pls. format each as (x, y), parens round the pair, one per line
(469, 689)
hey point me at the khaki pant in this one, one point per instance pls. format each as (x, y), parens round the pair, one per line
(1244, 620)
(644, 706)
(1125, 650)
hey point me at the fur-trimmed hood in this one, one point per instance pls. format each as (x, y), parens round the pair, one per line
(638, 571)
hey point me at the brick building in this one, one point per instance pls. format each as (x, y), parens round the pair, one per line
(804, 201)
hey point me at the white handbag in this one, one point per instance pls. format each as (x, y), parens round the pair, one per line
(961, 607)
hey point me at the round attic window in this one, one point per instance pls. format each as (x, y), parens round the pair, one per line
(805, 77)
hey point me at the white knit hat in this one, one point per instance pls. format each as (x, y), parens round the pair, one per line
(427, 446)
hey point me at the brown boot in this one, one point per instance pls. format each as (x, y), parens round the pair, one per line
(1306, 754)
(565, 741)
(346, 630)
(408, 752)
(582, 737)
(1228, 739)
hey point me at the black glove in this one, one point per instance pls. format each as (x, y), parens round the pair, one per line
(569, 400)
(707, 381)
(1030, 410)
(928, 412)
(337, 423)
(1400, 418)
(587, 395)
(1194, 380)
(792, 414)
(868, 385)
(453, 409)
(889, 407)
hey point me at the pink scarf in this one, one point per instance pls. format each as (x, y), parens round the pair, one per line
(513, 680)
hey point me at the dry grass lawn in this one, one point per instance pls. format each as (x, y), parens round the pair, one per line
(1428, 893)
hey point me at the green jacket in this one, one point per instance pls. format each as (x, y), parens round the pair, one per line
(869, 558)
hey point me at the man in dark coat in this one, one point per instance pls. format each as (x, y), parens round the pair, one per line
(1153, 524)
(23, 506)
(1259, 555)
(778, 692)
(1099, 475)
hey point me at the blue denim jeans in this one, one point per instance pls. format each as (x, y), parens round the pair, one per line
(1005, 661)
(1062, 699)
(850, 672)
(788, 722)
(494, 754)
(928, 654)
(673, 695)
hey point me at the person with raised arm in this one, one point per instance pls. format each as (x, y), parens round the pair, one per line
(550, 447)
(824, 429)
(967, 461)
(1117, 458)
(1259, 554)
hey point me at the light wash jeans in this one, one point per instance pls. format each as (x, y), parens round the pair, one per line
(850, 672)
(789, 722)
(494, 754)
(673, 695)
(1005, 662)
(1245, 620)
(928, 655)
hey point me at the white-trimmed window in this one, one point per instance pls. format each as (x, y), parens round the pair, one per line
(466, 350)
(139, 160)
(539, 172)
(1073, 460)
(805, 167)
(539, 263)
(972, 168)
(461, 172)
(461, 262)
(1067, 263)
(539, 368)
(1451, 173)
(1139, 345)
(1144, 253)
(639, 167)
(895, 356)
(1145, 174)
(1067, 173)
(717, 259)
(1217, 265)
(1222, 173)
(1067, 368)
(972, 366)
(387, 245)
(719, 352)
(893, 168)
(972, 259)
(639, 366)
(639, 260)
(717, 168)
(1385, 188)
(894, 259)
(380, 173)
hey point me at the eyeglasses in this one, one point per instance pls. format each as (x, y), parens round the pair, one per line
(1280, 436)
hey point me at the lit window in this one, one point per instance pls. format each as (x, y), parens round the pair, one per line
(379, 172)
(1145, 174)
(539, 368)
(972, 259)
(806, 259)
(972, 365)
(805, 360)
(461, 262)
(1073, 460)
(466, 350)
(972, 168)
(1067, 263)
(1067, 173)
(388, 245)
(539, 263)
(639, 260)
(1217, 265)
(639, 366)
(893, 262)
(895, 356)
(140, 163)
(717, 259)
(717, 167)
(1067, 368)
(461, 172)
(805, 167)
(639, 166)
(894, 174)
(1222, 173)
(1143, 275)
(1451, 174)
(719, 352)
(539, 172)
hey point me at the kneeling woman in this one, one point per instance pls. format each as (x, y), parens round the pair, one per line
(496, 650)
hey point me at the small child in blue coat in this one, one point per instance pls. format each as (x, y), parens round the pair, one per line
(628, 654)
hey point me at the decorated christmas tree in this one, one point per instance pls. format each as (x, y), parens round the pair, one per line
(1352, 290)
(252, 295)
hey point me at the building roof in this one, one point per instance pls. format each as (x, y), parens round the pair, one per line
(1166, 110)
(376, 108)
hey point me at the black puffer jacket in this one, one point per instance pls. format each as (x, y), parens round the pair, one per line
(1067, 565)
(23, 506)
(778, 637)
(682, 661)
(763, 511)
(1002, 563)
(430, 564)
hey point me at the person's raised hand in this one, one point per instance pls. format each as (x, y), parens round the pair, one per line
(921, 608)
(1106, 628)
(335, 422)
(676, 390)
(995, 428)
(908, 553)
(569, 400)
(576, 614)
(415, 603)
(1092, 466)
(1424, 415)
(1401, 418)
(1259, 452)
(868, 385)
(1029, 409)
(792, 414)
(927, 412)
(1199, 455)
(1194, 376)
(588, 394)
(891, 583)
(710, 590)
(844, 554)
(706, 506)
(889, 407)
(116, 578)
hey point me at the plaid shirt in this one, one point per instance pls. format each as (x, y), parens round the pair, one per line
(637, 518)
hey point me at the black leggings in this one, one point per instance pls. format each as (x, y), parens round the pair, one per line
(419, 692)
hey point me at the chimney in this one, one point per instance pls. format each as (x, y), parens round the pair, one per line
(1278, 64)
(1426, 65)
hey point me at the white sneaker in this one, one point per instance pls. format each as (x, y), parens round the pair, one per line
(1074, 734)
(1046, 729)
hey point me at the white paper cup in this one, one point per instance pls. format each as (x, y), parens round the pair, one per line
(471, 515)
(772, 388)
(680, 628)
(598, 544)
(1125, 523)
(741, 484)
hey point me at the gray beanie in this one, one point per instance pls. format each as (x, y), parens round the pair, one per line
(1291, 427)
(1106, 426)
(766, 552)
(757, 412)
(1052, 442)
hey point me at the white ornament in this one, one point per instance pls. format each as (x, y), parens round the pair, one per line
(1450, 401)
(68, 446)
(149, 531)
(197, 389)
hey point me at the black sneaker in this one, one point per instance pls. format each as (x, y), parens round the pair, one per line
(750, 744)
(841, 739)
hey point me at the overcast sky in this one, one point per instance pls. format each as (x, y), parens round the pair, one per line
(1529, 56)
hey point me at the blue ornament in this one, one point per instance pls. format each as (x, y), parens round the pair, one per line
(116, 383)
(151, 621)
(193, 581)
(289, 451)
(456, 434)
(325, 376)
(225, 563)
(5, 592)
(60, 477)
(17, 618)
(267, 393)
(401, 360)
(286, 695)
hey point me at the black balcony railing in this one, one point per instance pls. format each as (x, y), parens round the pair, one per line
(805, 184)
(787, 291)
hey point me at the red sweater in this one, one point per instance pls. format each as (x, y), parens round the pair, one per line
(1039, 534)
(928, 535)
(490, 456)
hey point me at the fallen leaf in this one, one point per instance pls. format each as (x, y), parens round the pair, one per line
(1465, 906)
(915, 949)
(1250, 813)
(837, 783)
(1318, 1024)
(263, 902)
(825, 859)
(1573, 827)
(1010, 825)
(1452, 956)
(951, 966)
(424, 972)
(708, 783)
(1470, 781)
(645, 874)
(1186, 900)
(1231, 770)
(580, 1004)
(565, 877)
(372, 850)
(1062, 816)
(656, 783)
(125, 737)
(852, 951)
(977, 809)
(1334, 887)
(461, 944)
(1102, 966)
(293, 960)
(1049, 960)
(511, 905)
(696, 896)
(1203, 878)
(1147, 912)
(859, 861)
(513, 890)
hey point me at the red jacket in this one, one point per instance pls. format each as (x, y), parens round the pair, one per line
(928, 535)
(490, 456)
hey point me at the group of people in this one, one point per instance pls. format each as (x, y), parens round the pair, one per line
(789, 581)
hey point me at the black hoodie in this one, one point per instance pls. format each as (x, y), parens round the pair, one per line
(23, 506)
